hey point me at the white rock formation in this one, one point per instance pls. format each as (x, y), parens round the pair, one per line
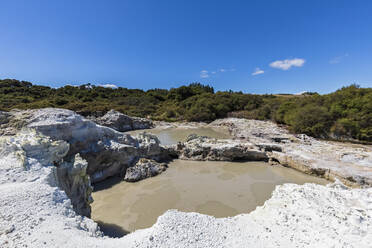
(34, 212)
(107, 151)
(122, 123)
(350, 163)
(204, 148)
(144, 168)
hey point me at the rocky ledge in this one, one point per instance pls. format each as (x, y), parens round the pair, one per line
(121, 122)
(204, 148)
(350, 163)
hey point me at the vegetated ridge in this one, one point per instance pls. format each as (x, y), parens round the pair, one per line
(343, 114)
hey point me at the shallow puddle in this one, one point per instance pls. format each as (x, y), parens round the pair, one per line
(220, 189)
(170, 136)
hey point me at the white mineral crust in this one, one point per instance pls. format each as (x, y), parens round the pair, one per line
(34, 212)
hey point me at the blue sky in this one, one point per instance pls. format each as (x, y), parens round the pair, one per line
(290, 46)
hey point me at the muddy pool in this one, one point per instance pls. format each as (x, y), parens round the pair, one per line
(219, 189)
(169, 136)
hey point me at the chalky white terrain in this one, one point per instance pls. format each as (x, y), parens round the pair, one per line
(45, 186)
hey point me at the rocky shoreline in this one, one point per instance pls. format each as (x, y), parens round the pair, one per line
(205, 148)
(349, 163)
(254, 140)
(49, 157)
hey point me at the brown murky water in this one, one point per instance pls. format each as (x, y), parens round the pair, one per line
(173, 135)
(216, 188)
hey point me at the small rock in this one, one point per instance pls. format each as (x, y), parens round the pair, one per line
(144, 168)
(122, 123)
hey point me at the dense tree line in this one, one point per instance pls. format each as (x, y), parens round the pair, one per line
(346, 113)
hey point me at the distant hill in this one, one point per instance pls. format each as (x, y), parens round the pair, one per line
(343, 114)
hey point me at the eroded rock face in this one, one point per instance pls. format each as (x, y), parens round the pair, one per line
(108, 152)
(204, 148)
(72, 177)
(33, 168)
(122, 123)
(144, 168)
(29, 152)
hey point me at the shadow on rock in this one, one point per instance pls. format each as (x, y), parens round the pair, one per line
(106, 184)
(112, 230)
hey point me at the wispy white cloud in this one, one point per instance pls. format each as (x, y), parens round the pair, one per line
(113, 86)
(287, 63)
(258, 71)
(207, 74)
(204, 74)
(338, 59)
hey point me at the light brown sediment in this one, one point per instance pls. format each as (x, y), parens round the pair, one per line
(215, 188)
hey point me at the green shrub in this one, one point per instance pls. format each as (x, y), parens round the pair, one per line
(344, 113)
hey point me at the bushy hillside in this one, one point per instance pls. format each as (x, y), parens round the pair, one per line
(346, 113)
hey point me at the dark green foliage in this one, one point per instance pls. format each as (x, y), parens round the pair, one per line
(310, 119)
(346, 113)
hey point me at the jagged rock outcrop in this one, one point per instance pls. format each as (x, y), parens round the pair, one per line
(144, 168)
(90, 149)
(107, 151)
(122, 123)
(33, 170)
(72, 177)
(204, 148)
(30, 151)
